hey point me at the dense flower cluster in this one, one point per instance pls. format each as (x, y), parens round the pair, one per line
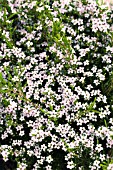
(55, 61)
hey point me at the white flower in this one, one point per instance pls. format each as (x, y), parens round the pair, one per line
(40, 9)
(48, 167)
(70, 165)
(49, 159)
(110, 166)
(5, 155)
(21, 133)
(99, 148)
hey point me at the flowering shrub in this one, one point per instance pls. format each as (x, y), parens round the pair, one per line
(56, 85)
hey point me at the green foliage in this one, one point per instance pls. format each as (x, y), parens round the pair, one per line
(105, 164)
